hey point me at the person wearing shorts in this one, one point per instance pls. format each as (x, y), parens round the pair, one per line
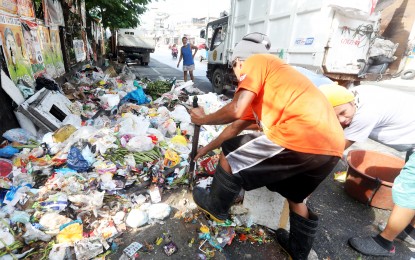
(317, 79)
(188, 58)
(387, 117)
(300, 143)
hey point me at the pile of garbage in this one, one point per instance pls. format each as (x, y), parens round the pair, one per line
(76, 189)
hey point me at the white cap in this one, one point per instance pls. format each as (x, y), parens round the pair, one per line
(251, 43)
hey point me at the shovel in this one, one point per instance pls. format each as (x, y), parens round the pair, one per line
(195, 144)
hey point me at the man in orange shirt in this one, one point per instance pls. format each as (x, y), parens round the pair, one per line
(300, 144)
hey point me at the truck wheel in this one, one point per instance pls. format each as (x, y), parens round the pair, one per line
(218, 81)
(145, 63)
(408, 74)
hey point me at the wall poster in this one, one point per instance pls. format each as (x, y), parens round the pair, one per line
(44, 37)
(14, 49)
(55, 44)
(33, 48)
(25, 8)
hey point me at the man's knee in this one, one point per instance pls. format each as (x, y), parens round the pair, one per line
(224, 163)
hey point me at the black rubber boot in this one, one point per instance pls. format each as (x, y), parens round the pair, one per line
(299, 241)
(225, 188)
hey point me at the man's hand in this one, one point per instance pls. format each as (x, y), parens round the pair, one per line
(197, 115)
(201, 152)
(229, 113)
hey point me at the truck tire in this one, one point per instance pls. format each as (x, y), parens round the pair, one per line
(408, 74)
(218, 81)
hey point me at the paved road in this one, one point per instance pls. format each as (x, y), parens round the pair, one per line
(163, 65)
(164, 55)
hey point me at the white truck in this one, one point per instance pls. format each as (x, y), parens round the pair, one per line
(133, 46)
(329, 37)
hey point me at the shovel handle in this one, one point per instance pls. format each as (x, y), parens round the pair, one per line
(194, 147)
(195, 99)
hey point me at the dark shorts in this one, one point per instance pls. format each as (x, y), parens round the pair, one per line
(260, 162)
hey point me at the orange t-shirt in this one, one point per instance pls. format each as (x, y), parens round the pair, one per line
(291, 110)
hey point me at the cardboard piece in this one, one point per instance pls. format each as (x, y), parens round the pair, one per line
(267, 208)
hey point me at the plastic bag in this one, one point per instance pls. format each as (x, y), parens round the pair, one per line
(7, 239)
(14, 195)
(70, 232)
(26, 91)
(127, 74)
(104, 143)
(137, 96)
(76, 161)
(74, 120)
(136, 218)
(132, 124)
(140, 144)
(91, 201)
(88, 155)
(159, 211)
(88, 248)
(105, 166)
(45, 81)
(6, 167)
(111, 100)
(180, 114)
(22, 178)
(129, 160)
(156, 133)
(20, 216)
(57, 202)
(58, 252)
(33, 234)
(163, 114)
(51, 221)
(383, 47)
(168, 127)
(187, 129)
(19, 135)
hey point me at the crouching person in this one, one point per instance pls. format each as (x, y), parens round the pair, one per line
(300, 143)
(387, 117)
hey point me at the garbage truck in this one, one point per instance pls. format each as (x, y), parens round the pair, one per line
(330, 37)
(134, 47)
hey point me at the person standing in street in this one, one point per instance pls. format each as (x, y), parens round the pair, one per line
(188, 58)
(300, 143)
(387, 117)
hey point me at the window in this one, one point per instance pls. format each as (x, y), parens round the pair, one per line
(217, 38)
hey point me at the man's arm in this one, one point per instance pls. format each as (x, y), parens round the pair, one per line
(194, 48)
(180, 58)
(348, 144)
(227, 114)
(230, 131)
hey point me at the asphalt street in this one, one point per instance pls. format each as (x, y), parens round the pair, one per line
(341, 217)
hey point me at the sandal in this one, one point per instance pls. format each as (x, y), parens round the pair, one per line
(368, 246)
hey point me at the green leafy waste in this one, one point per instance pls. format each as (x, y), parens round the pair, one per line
(157, 88)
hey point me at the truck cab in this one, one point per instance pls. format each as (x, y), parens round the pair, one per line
(219, 72)
(320, 36)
